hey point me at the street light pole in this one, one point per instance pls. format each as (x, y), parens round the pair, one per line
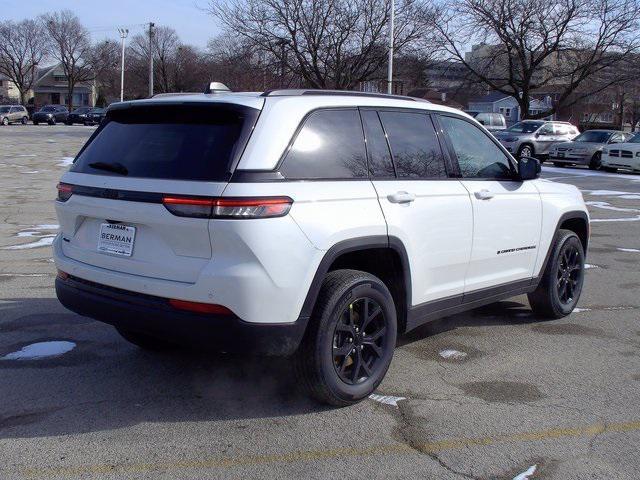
(390, 67)
(123, 34)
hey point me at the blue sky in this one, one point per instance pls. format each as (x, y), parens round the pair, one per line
(102, 17)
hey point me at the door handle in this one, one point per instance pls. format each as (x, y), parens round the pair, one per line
(401, 197)
(483, 194)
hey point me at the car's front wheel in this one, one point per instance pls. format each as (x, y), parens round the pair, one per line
(350, 339)
(596, 161)
(559, 289)
(24, 120)
(525, 151)
(5, 121)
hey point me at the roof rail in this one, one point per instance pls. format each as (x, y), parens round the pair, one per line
(346, 93)
(174, 94)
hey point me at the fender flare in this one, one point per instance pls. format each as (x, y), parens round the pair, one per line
(353, 245)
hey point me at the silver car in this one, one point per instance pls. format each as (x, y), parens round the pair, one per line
(13, 114)
(534, 138)
(586, 148)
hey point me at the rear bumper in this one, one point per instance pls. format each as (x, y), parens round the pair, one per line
(155, 317)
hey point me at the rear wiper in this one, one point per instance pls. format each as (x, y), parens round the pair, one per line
(110, 167)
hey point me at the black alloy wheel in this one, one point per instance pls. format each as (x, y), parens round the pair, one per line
(569, 274)
(359, 341)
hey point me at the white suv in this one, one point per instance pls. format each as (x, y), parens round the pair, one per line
(313, 223)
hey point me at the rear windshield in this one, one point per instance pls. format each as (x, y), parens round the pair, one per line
(180, 142)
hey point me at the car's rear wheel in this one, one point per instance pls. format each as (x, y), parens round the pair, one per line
(525, 151)
(350, 339)
(52, 121)
(559, 289)
(5, 121)
(596, 161)
(146, 342)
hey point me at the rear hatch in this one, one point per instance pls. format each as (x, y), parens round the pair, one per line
(110, 203)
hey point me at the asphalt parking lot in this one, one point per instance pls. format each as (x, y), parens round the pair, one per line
(493, 393)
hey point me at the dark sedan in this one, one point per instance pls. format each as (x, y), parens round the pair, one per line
(95, 116)
(79, 115)
(50, 114)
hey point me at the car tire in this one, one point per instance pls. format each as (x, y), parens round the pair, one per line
(559, 289)
(5, 121)
(596, 161)
(526, 150)
(143, 341)
(52, 121)
(25, 120)
(350, 339)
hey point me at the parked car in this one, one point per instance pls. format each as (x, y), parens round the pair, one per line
(13, 114)
(622, 155)
(493, 122)
(95, 116)
(78, 115)
(531, 138)
(51, 114)
(310, 223)
(586, 148)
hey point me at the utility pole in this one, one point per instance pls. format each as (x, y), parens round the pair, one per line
(151, 26)
(391, 33)
(123, 34)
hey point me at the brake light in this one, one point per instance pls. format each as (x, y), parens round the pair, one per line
(198, 307)
(250, 207)
(65, 191)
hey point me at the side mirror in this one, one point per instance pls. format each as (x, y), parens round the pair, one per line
(528, 168)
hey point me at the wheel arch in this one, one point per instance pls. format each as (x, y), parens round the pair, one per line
(578, 222)
(382, 256)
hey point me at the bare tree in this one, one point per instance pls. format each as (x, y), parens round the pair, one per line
(71, 46)
(21, 50)
(328, 43)
(570, 48)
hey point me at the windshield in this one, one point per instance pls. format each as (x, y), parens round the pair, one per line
(525, 127)
(81, 110)
(97, 110)
(195, 142)
(48, 109)
(593, 137)
(4, 109)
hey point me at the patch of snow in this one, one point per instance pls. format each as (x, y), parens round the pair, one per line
(28, 233)
(65, 162)
(451, 354)
(622, 219)
(50, 226)
(386, 399)
(526, 475)
(633, 250)
(31, 171)
(42, 242)
(51, 140)
(41, 350)
(608, 206)
(630, 197)
(580, 310)
(608, 193)
(23, 155)
(587, 266)
(23, 275)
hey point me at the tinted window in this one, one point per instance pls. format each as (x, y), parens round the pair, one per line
(497, 120)
(525, 127)
(478, 156)
(546, 129)
(174, 142)
(4, 109)
(380, 164)
(414, 145)
(329, 145)
(593, 136)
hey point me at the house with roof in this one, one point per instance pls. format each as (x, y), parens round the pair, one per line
(9, 93)
(51, 88)
(507, 105)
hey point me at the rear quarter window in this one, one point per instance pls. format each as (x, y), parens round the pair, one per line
(330, 145)
(180, 142)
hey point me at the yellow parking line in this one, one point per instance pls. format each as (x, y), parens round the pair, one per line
(308, 455)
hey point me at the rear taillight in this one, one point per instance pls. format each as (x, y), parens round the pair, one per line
(198, 307)
(238, 207)
(64, 192)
